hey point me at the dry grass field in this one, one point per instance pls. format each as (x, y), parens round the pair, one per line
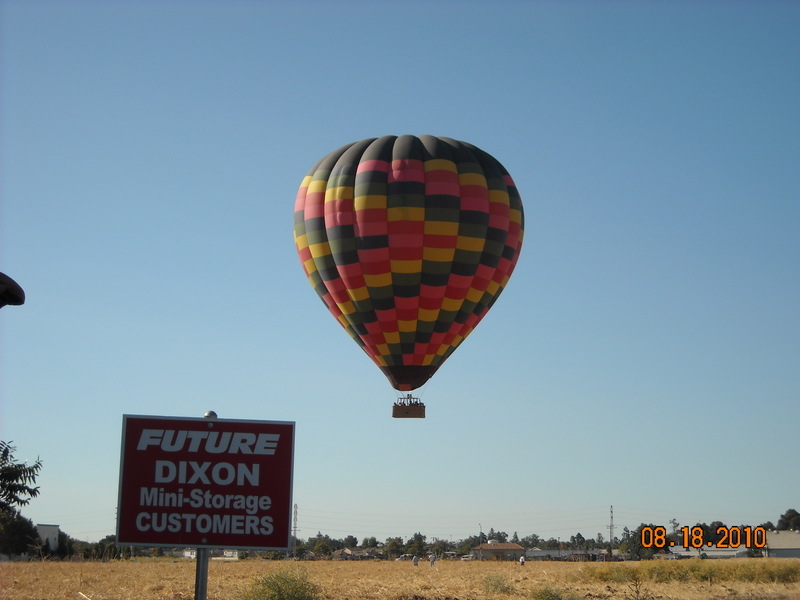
(161, 579)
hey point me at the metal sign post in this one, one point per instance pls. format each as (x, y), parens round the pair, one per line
(201, 554)
(201, 575)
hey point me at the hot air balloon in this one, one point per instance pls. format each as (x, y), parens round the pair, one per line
(408, 241)
(10, 292)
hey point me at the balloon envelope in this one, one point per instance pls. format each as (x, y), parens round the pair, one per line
(408, 241)
(10, 292)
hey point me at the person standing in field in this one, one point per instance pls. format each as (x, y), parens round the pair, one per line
(433, 559)
(415, 560)
(522, 560)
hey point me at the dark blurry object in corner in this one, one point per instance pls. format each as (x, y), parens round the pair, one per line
(10, 291)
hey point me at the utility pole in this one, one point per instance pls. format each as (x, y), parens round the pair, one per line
(611, 528)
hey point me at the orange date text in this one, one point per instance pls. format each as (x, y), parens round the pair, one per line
(697, 537)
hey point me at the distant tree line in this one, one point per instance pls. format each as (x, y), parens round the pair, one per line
(18, 535)
(323, 546)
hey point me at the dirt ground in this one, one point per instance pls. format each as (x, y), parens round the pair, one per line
(165, 579)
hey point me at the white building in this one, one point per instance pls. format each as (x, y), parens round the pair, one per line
(783, 544)
(49, 535)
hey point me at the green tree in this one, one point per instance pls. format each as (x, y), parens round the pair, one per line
(711, 532)
(16, 479)
(66, 545)
(466, 545)
(441, 546)
(17, 534)
(498, 536)
(550, 544)
(350, 541)
(394, 547)
(531, 541)
(577, 541)
(789, 520)
(632, 542)
(298, 547)
(322, 547)
(370, 542)
(416, 545)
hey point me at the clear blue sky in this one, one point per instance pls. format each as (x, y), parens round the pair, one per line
(645, 354)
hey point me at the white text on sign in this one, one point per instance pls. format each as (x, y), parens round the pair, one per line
(212, 442)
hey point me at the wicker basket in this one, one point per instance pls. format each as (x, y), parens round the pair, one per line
(409, 411)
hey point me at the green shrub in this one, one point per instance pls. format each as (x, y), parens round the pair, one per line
(706, 571)
(497, 583)
(549, 592)
(284, 584)
(610, 572)
(773, 571)
(754, 570)
(662, 571)
(636, 588)
(785, 572)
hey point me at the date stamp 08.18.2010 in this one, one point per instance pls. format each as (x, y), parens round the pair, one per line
(698, 537)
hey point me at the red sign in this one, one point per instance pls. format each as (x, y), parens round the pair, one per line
(215, 483)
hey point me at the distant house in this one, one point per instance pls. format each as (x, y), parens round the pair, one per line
(358, 554)
(498, 551)
(779, 544)
(548, 554)
(49, 535)
(594, 554)
(214, 554)
(783, 544)
(706, 552)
